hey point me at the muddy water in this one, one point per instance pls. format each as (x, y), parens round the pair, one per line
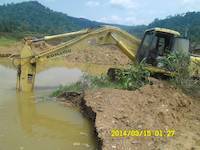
(33, 121)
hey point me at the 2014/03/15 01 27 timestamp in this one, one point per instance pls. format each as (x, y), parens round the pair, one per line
(144, 133)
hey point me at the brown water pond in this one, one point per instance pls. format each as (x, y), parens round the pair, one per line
(30, 121)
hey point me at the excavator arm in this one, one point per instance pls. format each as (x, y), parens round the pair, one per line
(106, 35)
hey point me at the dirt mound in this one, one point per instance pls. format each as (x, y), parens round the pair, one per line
(40, 46)
(104, 55)
(89, 51)
(153, 107)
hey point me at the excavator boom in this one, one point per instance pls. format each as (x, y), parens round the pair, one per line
(105, 35)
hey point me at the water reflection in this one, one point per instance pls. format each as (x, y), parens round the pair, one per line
(51, 123)
(94, 69)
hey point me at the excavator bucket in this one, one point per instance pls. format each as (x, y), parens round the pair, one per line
(26, 70)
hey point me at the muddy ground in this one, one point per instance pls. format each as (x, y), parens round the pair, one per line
(111, 56)
(153, 107)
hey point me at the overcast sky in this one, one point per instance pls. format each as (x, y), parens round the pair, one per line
(128, 12)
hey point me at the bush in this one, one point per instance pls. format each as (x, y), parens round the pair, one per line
(130, 79)
(134, 77)
(179, 63)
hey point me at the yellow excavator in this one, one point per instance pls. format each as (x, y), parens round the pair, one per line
(156, 43)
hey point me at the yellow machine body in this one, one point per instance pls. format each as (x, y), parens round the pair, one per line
(104, 35)
(26, 70)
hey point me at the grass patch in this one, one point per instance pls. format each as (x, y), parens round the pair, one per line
(75, 87)
(7, 41)
(129, 79)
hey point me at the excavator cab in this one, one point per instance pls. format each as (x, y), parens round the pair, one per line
(158, 43)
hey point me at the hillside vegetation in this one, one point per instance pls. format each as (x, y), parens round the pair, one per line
(32, 17)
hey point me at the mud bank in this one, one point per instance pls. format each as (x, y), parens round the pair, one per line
(77, 100)
(153, 107)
